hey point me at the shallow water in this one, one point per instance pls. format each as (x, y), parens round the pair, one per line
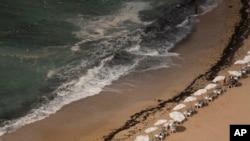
(55, 52)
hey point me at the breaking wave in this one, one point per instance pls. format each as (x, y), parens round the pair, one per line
(116, 47)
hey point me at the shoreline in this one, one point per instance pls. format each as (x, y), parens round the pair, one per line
(46, 133)
(240, 34)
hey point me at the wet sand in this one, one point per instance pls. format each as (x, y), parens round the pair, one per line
(121, 113)
(212, 122)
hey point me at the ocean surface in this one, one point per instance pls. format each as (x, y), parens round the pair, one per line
(54, 52)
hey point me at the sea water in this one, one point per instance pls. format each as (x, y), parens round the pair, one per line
(54, 52)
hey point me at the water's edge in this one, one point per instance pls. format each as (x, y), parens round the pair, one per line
(241, 32)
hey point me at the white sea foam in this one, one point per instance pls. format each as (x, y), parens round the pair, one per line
(92, 30)
(147, 52)
(90, 84)
(210, 5)
(51, 73)
(100, 76)
(112, 90)
(134, 48)
(75, 48)
(184, 23)
(2, 132)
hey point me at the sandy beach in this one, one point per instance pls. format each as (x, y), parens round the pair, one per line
(212, 122)
(124, 112)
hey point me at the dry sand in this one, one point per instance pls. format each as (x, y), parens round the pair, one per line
(212, 122)
(94, 117)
